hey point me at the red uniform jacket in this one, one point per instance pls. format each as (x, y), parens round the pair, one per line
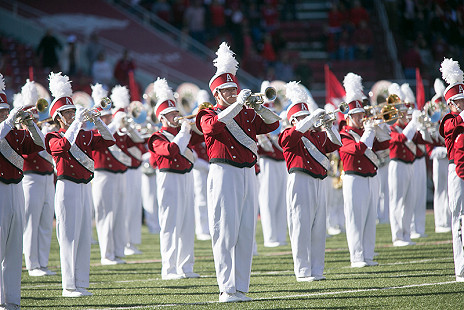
(200, 149)
(34, 163)
(133, 150)
(447, 130)
(167, 154)
(67, 167)
(276, 154)
(21, 142)
(221, 145)
(104, 159)
(353, 156)
(398, 149)
(297, 156)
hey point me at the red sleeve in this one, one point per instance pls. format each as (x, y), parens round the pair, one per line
(162, 147)
(450, 124)
(289, 138)
(378, 146)
(196, 139)
(397, 137)
(262, 127)
(208, 123)
(351, 147)
(56, 146)
(98, 143)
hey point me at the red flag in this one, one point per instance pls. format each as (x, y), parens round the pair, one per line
(133, 87)
(420, 94)
(31, 73)
(334, 91)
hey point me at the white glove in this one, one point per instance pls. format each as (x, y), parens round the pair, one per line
(369, 124)
(416, 114)
(439, 152)
(309, 121)
(382, 132)
(11, 119)
(265, 143)
(368, 137)
(243, 96)
(80, 114)
(185, 126)
(182, 139)
(410, 129)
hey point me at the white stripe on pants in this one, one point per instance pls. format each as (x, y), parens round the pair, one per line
(456, 204)
(383, 211)
(271, 198)
(73, 230)
(232, 211)
(306, 214)
(150, 203)
(420, 188)
(361, 196)
(11, 242)
(109, 197)
(176, 218)
(134, 206)
(441, 210)
(402, 199)
(39, 193)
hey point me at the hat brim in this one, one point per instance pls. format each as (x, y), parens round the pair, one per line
(356, 110)
(227, 85)
(299, 113)
(456, 97)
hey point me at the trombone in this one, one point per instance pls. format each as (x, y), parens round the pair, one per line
(385, 112)
(201, 106)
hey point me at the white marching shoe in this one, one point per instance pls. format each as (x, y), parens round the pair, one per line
(358, 264)
(84, 291)
(305, 279)
(226, 297)
(37, 272)
(242, 296)
(131, 250)
(71, 293)
(403, 243)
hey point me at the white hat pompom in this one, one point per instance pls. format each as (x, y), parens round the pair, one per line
(225, 61)
(439, 87)
(451, 72)
(295, 93)
(408, 93)
(98, 93)
(2, 83)
(29, 93)
(120, 97)
(59, 85)
(203, 96)
(162, 90)
(353, 87)
(395, 89)
(18, 100)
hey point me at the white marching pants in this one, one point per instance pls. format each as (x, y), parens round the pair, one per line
(361, 196)
(232, 212)
(335, 213)
(11, 242)
(383, 209)
(456, 204)
(441, 210)
(73, 230)
(200, 178)
(176, 218)
(306, 214)
(39, 193)
(420, 188)
(402, 199)
(150, 203)
(133, 206)
(109, 195)
(271, 200)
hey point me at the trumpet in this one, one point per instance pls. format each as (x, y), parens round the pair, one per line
(91, 115)
(269, 94)
(330, 117)
(26, 114)
(201, 106)
(435, 110)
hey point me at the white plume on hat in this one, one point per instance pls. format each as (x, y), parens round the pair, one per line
(29, 93)
(394, 88)
(59, 85)
(353, 87)
(2, 84)
(18, 100)
(408, 93)
(162, 90)
(225, 61)
(439, 87)
(120, 97)
(98, 92)
(451, 72)
(203, 96)
(295, 93)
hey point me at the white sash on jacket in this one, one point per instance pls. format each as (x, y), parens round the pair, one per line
(409, 144)
(10, 154)
(370, 154)
(188, 152)
(316, 154)
(122, 157)
(81, 157)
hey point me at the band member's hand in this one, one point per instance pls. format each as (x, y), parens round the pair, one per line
(369, 124)
(415, 116)
(185, 125)
(10, 120)
(80, 113)
(243, 96)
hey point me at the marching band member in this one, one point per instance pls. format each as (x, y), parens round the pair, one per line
(272, 180)
(149, 200)
(39, 191)
(133, 202)
(71, 148)
(200, 176)
(230, 135)
(304, 150)
(360, 183)
(174, 159)
(451, 128)
(109, 188)
(13, 144)
(437, 152)
(419, 169)
(400, 171)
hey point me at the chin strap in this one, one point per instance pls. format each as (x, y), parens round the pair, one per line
(169, 123)
(63, 119)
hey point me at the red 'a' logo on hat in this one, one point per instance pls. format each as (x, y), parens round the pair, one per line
(229, 78)
(303, 107)
(171, 104)
(358, 104)
(68, 101)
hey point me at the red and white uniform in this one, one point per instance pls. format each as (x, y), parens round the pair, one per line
(13, 144)
(232, 190)
(451, 128)
(400, 179)
(200, 177)
(420, 188)
(39, 192)
(149, 200)
(175, 201)
(360, 192)
(109, 197)
(271, 195)
(306, 198)
(73, 202)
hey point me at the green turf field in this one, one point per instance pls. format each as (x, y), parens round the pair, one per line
(416, 277)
